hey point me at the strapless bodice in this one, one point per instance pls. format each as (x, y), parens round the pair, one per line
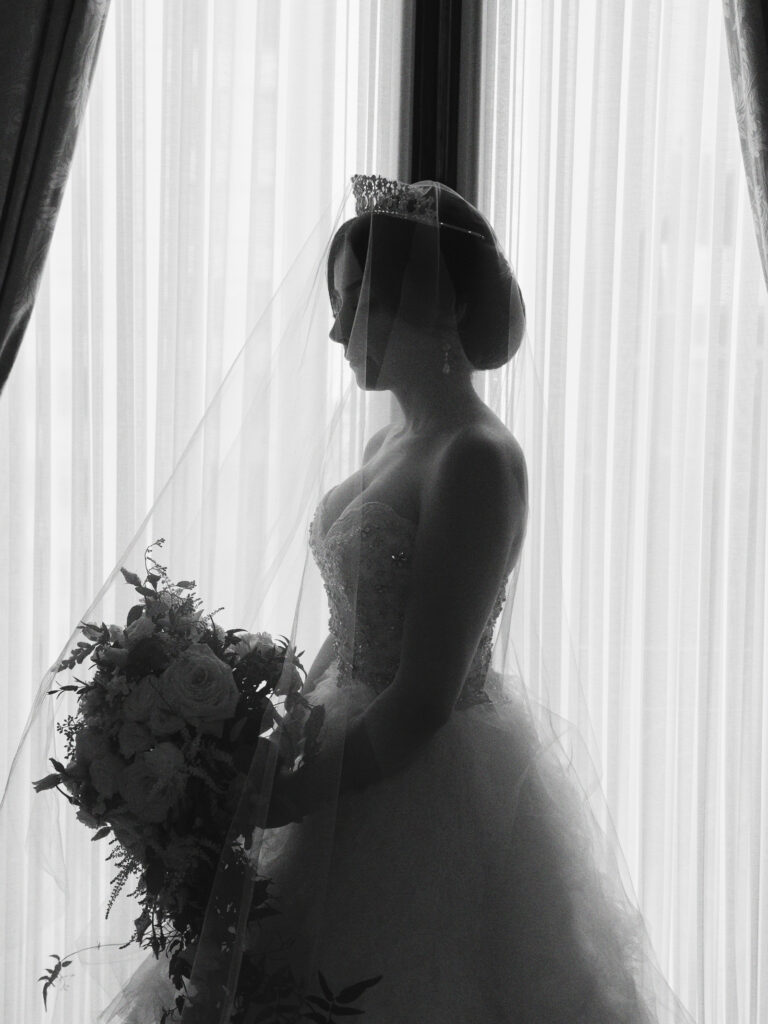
(365, 562)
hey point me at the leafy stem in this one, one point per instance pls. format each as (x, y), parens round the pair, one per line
(329, 1004)
(55, 970)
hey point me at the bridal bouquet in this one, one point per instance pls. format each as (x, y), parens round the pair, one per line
(157, 756)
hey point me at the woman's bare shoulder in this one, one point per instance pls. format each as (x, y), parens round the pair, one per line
(489, 432)
(479, 467)
(507, 443)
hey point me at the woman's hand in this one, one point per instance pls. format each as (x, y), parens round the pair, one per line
(265, 810)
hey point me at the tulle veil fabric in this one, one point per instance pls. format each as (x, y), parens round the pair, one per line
(235, 516)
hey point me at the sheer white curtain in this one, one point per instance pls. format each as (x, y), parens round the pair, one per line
(216, 136)
(610, 164)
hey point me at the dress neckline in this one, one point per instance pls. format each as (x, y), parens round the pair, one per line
(352, 507)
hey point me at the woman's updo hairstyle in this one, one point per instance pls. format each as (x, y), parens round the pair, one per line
(492, 325)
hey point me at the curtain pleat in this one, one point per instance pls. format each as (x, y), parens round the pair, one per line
(48, 54)
(610, 164)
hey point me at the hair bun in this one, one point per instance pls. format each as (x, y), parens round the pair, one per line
(492, 326)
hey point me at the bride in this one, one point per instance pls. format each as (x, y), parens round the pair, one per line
(434, 847)
(431, 856)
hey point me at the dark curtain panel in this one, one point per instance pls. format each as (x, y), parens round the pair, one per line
(746, 30)
(48, 52)
(445, 93)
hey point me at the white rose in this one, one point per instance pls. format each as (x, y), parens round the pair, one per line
(154, 782)
(200, 687)
(261, 642)
(144, 697)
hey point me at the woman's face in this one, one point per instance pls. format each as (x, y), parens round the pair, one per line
(385, 351)
(359, 325)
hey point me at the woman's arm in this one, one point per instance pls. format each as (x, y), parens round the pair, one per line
(474, 507)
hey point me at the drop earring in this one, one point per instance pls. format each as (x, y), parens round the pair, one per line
(446, 350)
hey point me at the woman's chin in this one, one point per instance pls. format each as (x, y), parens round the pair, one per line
(367, 375)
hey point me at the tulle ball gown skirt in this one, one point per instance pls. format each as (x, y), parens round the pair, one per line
(469, 881)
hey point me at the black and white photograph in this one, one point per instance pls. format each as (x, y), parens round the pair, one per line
(384, 511)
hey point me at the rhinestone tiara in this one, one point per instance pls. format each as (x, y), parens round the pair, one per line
(374, 194)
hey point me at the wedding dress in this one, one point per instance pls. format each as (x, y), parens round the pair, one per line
(467, 881)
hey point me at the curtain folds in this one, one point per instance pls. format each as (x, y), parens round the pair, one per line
(610, 164)
(746, 33)
(48, 54)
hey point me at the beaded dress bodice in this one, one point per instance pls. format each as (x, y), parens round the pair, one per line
(365, 562)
